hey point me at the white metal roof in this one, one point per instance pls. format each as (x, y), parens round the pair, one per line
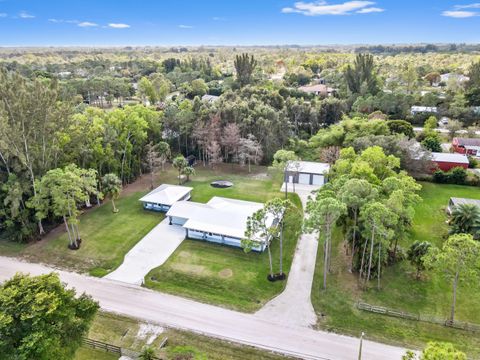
(166, 194)
(308, 167)
(431, 109)
(220, 215)
(449, 157)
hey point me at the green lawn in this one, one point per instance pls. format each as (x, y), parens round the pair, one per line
(430, 296)
(106, 237)
(224, 275)
(127, 333)
(85, 353)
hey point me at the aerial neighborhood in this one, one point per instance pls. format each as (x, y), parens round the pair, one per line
(238, 201)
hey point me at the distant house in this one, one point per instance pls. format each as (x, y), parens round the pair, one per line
(306, 173)
(163, 197)
(414, 110)
(221, 220)
(318, 89)
(459, 78)
(448, 161)
(453, 202)
(210, 98)
(466, 146)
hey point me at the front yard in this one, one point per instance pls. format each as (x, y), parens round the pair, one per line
(400, 291)
(223, 275)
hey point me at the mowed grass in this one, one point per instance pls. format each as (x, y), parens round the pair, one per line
(85, 353)
(429, 296)
(106, 237)
(134, 335)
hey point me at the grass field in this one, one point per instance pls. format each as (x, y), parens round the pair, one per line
(429, 296)
(89, 354)
(134, 335)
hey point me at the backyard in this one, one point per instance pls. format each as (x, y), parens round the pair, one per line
(400, 291)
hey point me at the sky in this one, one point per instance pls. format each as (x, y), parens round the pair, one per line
(236, 22)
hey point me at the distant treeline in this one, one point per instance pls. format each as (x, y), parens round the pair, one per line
(383, 49)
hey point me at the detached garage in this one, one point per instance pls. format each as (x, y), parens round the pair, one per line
(307, 173)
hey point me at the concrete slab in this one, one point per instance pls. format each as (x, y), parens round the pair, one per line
(150, 252)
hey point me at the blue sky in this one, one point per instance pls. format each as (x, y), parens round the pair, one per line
(236, 22)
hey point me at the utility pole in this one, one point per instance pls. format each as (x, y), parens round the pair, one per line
(360, 349)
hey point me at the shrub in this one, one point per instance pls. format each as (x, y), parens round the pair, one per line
(472, 162)
(457, 175)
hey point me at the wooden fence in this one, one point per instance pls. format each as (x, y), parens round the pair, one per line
(417, 317)
(99, 345)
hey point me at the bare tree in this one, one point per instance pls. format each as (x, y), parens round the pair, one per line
(152, 161)
(214, 153)
(231, 141)
(330, 154)
(250, 151)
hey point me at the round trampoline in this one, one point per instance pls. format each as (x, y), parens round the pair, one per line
(222, 184)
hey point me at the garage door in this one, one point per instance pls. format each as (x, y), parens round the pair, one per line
(304, 179)
(318, 180)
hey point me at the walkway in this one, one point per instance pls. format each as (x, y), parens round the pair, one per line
(173, 311)
(294, 306)
(150, 252)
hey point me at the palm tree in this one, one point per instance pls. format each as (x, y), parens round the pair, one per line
(465, 220)
(112, 186)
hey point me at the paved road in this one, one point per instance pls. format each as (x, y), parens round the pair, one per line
(168, 310)
(299, 283)
(445, 131)
(150, 252)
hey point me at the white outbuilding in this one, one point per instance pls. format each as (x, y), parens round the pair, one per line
(306, 173)
(163, 197)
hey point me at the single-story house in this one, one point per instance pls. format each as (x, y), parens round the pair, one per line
(164, 196)
(447, 161)
(423, 110)
(306, 172)
(210, 98)
(459, 201)
(466, 146)
(318, 89)
(221, 220)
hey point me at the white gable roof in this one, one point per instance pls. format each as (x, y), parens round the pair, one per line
(166, 194)
(220, 215)
(308, 167)
(449, 157)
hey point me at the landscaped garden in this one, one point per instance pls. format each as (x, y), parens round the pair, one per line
(429, 296)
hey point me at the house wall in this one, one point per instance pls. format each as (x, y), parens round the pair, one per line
(218, 239)
(461, 150)
(155, 207)
(301, 176)
(174, 220)
(446, 166)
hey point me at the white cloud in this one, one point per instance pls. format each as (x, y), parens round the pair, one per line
(459, 14)
(185, 26)
(87, 24)
(118, 26)
(25, 15)
(468, 6)
(323, 8)
(369, 10)
(60, 21)
(3, 15)
(218, 18)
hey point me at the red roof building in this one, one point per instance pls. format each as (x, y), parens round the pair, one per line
(466, 146)
(447, 161)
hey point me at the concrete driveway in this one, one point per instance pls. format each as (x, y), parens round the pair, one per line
(293, 307)
(150, 252)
